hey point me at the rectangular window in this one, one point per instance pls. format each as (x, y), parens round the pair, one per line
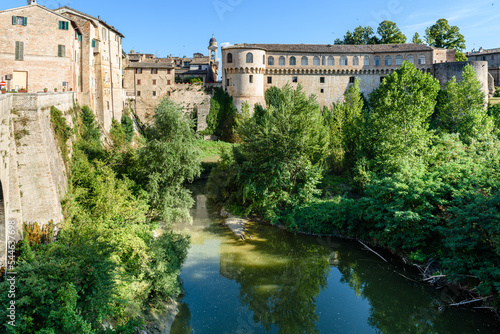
(19, 20)
(250, 78)
(382, 79)
(154, 81)
(63, 25)
(104, 34)
(351, 79)
(138, 81)
(322, 80)
(295, 79)
(138, 93)
(61, 50)
(168, 93)
(93, 43)
(168, 71)
(322, 90)
(138, 70)
(269, 80)
(107, 104)
(227, 82)
(154, 71)
(168, 82)
(19, 50)
(154, 93)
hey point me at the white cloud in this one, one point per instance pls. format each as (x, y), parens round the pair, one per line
(225, 44)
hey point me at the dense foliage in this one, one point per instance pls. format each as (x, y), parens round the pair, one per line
(107, 265)
(222, 120)
(419, 179)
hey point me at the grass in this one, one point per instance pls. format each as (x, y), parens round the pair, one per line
(212, 149)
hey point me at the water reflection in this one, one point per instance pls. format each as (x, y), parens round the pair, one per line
(279, 283)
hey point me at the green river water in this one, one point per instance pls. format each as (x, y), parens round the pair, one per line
(277, 282)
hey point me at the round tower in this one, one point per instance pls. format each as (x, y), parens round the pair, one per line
(244, 67)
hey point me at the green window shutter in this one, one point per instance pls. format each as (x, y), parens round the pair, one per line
(61, 50)
(60, 24)
(93, 43)
(17, 50)
(25, 23)
(67, 25)
(14, 20)
(22, 50)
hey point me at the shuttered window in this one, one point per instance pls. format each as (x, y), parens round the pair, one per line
(61, 50)
(19, 20)
(19, 50)
(63, 25)
(93, 43)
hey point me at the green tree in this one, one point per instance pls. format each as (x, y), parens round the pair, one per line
(397, 125)
(360, 36)
(168, 159)
(344, 123)
(128, 126)
(442, 35)
(460, 107)
(416, 39)
(390, 33)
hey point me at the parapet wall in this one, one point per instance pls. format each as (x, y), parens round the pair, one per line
(35, 102)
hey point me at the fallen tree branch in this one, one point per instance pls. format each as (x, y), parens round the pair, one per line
(432, 277)
(371, 250)
(469, 301)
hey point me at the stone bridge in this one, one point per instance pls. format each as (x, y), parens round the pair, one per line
(33, 176)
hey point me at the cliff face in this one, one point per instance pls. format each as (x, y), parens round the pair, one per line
(33, 175)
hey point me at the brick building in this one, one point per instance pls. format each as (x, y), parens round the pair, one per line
(101, 86)
(147, 79)
(63, 49)
(39, 49)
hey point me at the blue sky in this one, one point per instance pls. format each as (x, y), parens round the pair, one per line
(182, 28)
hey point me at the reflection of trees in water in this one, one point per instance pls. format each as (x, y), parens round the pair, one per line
(282, 284)
(182, 322)
(398, 305)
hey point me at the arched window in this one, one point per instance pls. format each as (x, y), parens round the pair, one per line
(410, 59)
(281, 61)
(323, 61)
(270, 60)
(355, 61)
(249, 58)
(331, 61)
(377, 61)
(388, 61)
(343, 61)
(229, 58)
(421, 60)
(264, 60)
(316, 61)
(366, 61)
(293, 61)
(399, 60)
(303, 61)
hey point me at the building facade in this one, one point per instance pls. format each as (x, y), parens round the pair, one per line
(101, 85)
(39, 49)
(323, 70)
(492, 56)
(63, 50)
(148, 79)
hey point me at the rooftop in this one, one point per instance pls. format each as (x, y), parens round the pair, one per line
(333, 48)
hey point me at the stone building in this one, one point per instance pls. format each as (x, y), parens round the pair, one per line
(101, 85)
(147, 79)
(492, 56)
(325, 70)
(39, 49)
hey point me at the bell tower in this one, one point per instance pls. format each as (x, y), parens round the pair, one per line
(214, 61)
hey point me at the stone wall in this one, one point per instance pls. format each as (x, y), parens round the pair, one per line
(33, 175)
(193, 98)
(444, 72)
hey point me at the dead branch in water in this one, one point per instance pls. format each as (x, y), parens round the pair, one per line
(371, 250)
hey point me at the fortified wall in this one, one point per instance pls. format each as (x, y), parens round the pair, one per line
(33, 176)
